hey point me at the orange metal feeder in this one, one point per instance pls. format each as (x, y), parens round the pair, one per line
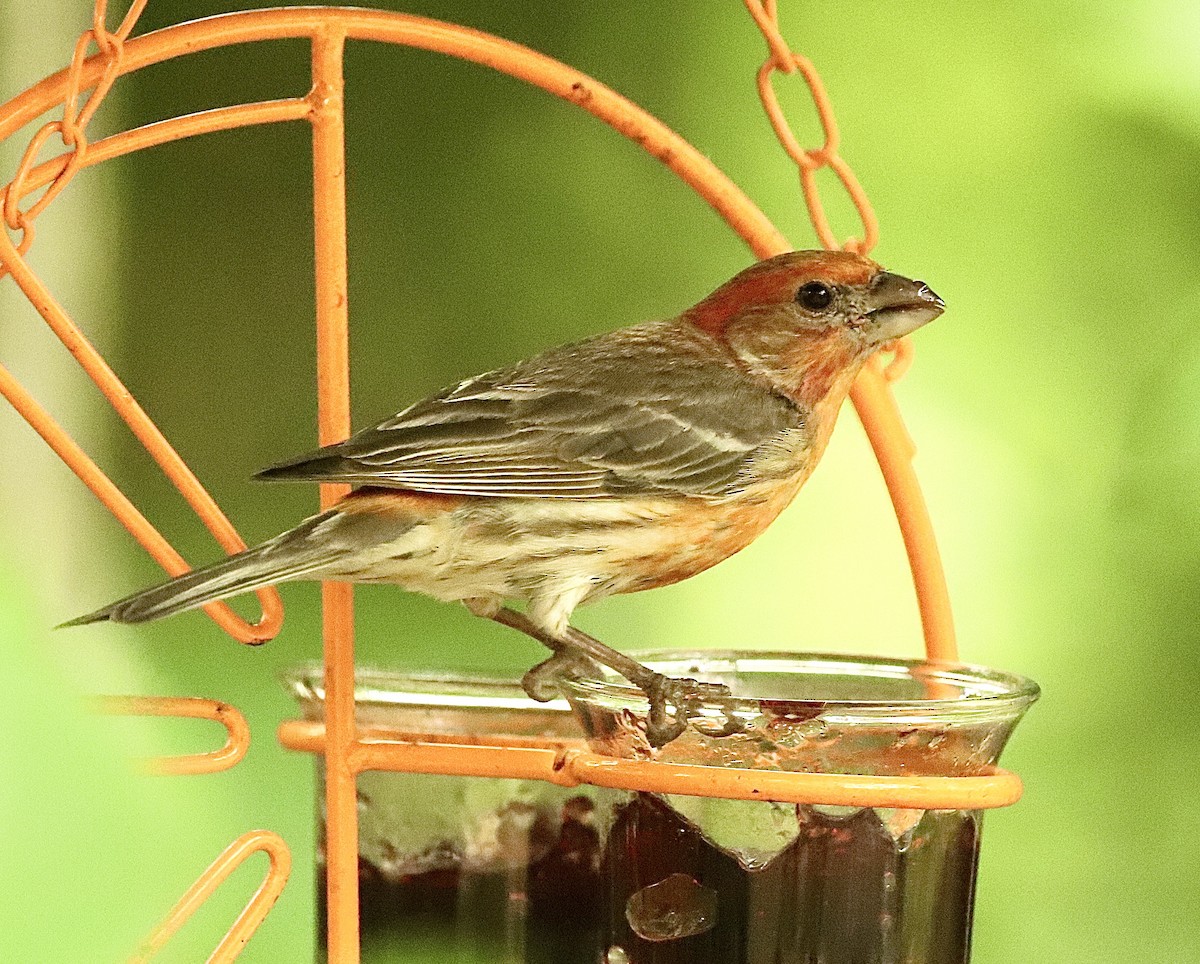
(347, 748)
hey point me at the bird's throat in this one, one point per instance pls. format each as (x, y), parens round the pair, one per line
(814, 372)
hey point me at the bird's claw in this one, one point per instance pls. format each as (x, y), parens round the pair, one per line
(541, 682)
(684, 696)
(578, 655)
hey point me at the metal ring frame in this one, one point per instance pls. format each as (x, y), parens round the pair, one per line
(347, 749)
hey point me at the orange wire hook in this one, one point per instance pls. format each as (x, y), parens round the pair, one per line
(253, 914)
(237, 741)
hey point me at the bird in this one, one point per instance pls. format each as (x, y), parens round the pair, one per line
(623, 462)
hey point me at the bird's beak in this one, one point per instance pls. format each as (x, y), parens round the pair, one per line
(896, 306)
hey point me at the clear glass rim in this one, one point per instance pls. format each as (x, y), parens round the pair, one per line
(987, 690)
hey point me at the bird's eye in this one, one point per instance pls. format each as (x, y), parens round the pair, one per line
(814, 296)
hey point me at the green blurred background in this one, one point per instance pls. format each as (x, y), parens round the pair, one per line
(1036, 162)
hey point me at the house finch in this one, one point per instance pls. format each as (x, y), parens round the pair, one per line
(630, 460)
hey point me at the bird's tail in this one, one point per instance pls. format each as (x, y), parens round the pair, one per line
(304, 551)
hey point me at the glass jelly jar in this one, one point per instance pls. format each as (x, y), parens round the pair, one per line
(472, 869)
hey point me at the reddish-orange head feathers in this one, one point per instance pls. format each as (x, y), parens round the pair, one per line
(776, 282)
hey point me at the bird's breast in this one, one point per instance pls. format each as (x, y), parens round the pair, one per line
(698, 535)
(526, 548)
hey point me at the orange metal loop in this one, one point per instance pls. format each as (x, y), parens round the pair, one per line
(104, 39)
(767, 18)
(28, 231)
(17, 218)
(214, 761)
(805, 159)
(112, 67)
(259, 905)
(816, 209)
(902, 358)
(71, 129)
(809, 161)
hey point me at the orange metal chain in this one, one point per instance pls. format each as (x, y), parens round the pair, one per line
(72, 128)
(809, 162)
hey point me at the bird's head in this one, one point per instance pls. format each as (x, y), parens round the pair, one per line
(806, 321)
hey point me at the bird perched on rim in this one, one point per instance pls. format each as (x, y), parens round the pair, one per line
(623, 462)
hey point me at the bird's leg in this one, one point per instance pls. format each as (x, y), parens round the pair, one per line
(539, 682)
(684, 695)
(576, 651)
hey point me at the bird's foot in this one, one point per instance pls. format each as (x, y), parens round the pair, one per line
(685, 696)
(541, 682)
(577, 654)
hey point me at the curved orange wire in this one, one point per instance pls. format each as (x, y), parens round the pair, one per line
(237, 741)
(259, 905)
(126, 512)
(902, 359)
(163, 132)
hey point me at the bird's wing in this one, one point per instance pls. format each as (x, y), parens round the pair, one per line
(638, 410)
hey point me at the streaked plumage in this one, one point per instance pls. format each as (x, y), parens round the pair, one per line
(623, 462)
(655, 412)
